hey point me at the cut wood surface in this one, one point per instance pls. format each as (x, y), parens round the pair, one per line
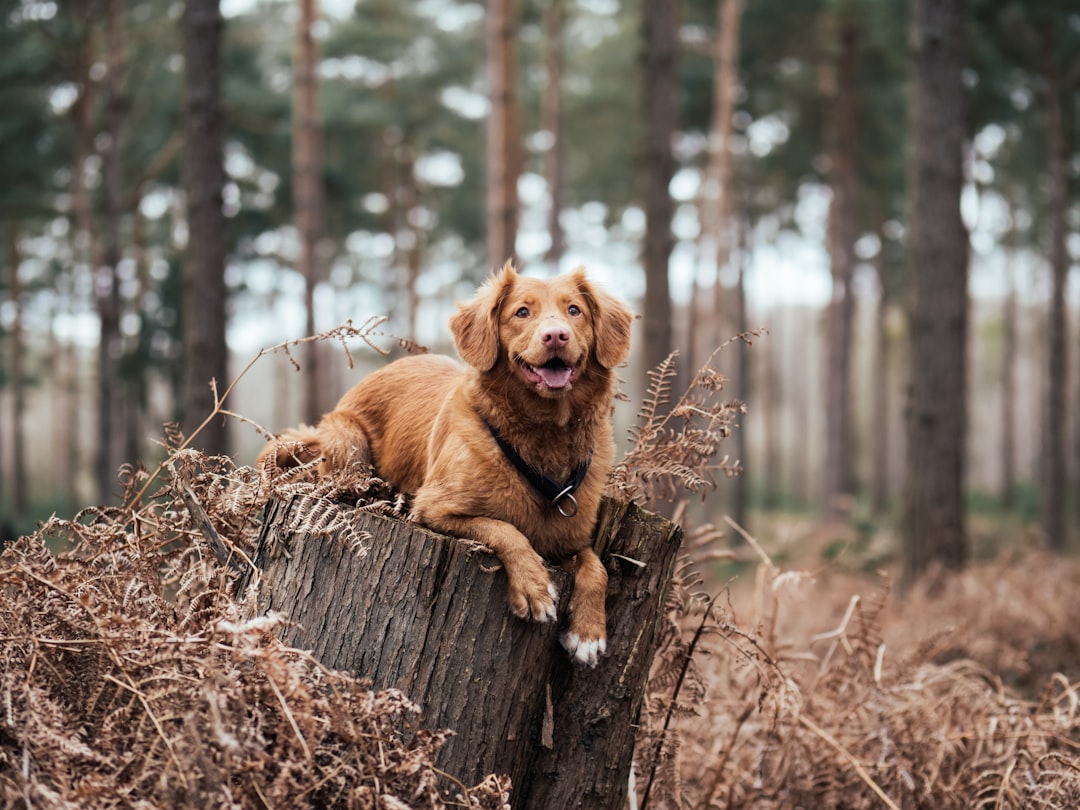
(428, 615)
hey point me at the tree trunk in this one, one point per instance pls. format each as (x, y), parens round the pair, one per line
(932, 520)
(63, 405)
(307, 191)
(1053, 473)
(879, 494)
(206, 353)
(1008, 383)
(551, 112)
(719, 192)
(740, 494)
(18, 380)
(137, 353)
(503, 131)
(774, 432)
(842, 231)
(660, 24)
(86, 245)
(426, 614)
(409, 241)
(106, 284)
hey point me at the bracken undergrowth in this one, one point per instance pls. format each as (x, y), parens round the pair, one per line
(134, 672)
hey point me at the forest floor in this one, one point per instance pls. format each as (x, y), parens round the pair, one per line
(818, 683)
(792, 673)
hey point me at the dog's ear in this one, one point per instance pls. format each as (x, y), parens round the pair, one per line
(475, 326)
(611, 322)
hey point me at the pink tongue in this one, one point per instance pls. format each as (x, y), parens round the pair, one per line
(554, 377)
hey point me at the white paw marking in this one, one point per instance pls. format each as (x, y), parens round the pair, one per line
(584, 652)
(540, 610)
(547, 614)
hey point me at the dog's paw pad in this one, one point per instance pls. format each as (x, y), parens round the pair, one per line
(586, 653)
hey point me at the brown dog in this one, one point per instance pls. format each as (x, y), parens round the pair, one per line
(513, 452)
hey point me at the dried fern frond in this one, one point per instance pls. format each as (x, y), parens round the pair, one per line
(879, 707)
(130, 679)
(674, 446)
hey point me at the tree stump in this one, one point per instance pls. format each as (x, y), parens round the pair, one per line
(428, 615)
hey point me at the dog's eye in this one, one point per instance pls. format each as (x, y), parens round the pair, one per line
(523, 312)
(574, 309)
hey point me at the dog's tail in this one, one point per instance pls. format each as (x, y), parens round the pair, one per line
(293, 448)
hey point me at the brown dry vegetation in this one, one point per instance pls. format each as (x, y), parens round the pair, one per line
(822, 691)
(131, 678)
(132, 675)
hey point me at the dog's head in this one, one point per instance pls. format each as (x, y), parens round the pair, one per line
(548, 331)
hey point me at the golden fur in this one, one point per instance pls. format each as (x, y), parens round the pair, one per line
(540, 356)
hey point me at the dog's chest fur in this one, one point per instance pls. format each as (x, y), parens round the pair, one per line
(555, 450)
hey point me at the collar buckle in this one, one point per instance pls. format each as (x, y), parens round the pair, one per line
(554, 492)
(566, 494)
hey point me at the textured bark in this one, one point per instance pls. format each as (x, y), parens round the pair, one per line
(774, 432)
(410, 241)
(1053, 473)
(843, 225)
(719, 189)
(660, 24)
(933, 525)
(552, 122)
(740, 486)
(879, 492)
(106, 284)
(205, 352)
(307, 190)
(503, 130)
(425, 614)
(87, 246)
(18, 381)
(1008, 386)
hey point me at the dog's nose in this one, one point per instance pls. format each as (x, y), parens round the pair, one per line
(555, 337)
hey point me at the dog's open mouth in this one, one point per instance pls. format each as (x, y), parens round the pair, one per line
(554, 374)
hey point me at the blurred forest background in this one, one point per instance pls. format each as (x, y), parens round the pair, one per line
(888, 187)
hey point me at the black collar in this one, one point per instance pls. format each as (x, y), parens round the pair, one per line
(555, 492)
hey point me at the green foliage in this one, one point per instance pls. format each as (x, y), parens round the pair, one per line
(30, 143)
(403, 83)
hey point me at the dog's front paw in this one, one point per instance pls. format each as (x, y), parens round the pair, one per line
(585, 651)
(533, 597)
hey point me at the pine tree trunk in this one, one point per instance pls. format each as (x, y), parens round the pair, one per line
(206, 355)
(719, 188)
(410, 236)
(503, 131)
(427, 615)
(879, 497)
(18, 379)
(135, 382)
(933, 525)
(842, 229)
(1053, 477)
(86, 242)
(106, 284)
(770, 406)
(307, 191)
(551, 113)
(660, 26)
(1008, 388)
(740, 496)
